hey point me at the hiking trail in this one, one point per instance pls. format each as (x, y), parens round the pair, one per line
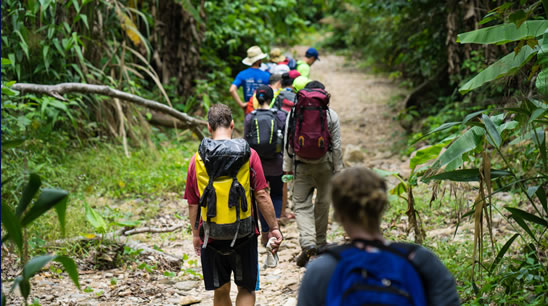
(368, 135)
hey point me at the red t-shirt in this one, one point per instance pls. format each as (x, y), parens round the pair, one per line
(192, 194)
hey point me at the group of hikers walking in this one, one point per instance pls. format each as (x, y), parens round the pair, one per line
(292, 137)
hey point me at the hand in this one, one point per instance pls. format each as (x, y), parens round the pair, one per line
(278, 235)
(197, 242)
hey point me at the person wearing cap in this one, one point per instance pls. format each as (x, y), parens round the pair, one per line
(272, 167)
(303, 66)
(250, 78)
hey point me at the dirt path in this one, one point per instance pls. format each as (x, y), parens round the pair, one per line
(368, 134)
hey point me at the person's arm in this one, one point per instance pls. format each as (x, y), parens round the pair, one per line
(196, 241)
(336, 146)
(234, 93)
(439, 283)
(264, 204)
(288, 160)
(193, 198)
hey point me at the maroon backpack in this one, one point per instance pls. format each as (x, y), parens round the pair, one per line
(309, 135)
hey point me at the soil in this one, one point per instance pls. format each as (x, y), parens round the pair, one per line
(369, 135)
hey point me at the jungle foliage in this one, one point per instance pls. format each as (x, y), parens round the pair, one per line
(183, 53)
(486, 109)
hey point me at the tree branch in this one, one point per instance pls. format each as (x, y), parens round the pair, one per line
(57, 91)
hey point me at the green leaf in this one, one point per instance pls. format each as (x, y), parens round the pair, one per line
(48, 198)
(441, 128)
(28, 193)
(5, 61)
(472, 116)
(501, 253)
(9, 92)
(85, 20)
(400, 189)
(465, 175)
(61, 209)
(541, 82)
(189, 8)
(518, 17)
(127, 223)
(492, 130)
(536, 113)
(505, 66)
(527, 216)
(36, 264)
(70, 268)
(424, 155)
(465, 143)
(504, 33)
(12, 226)
(384, 173)
(95, 219)
(519, 220)
(76, 5)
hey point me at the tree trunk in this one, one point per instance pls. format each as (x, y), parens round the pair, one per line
(177, 40)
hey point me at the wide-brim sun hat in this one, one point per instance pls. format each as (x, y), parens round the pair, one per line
(253, 54)
(276, 55)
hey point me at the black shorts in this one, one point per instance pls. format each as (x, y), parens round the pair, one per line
(219, 260)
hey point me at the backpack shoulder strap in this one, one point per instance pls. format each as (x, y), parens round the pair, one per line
(335, 251)
(401, 249)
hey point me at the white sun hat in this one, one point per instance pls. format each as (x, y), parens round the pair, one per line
(253, 54)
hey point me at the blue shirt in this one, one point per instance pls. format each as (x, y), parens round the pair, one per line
(250, 79)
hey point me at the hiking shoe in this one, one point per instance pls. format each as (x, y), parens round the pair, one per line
(305, 255)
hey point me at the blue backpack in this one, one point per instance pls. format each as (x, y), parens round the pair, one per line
(385, 277)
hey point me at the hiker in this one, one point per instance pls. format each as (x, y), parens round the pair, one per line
(313, 153)
(378, 265)
(278, 58)
(223, 177)
(286, 97)
(303, 66)
(275, 82)
(263, 130)
(249, 78)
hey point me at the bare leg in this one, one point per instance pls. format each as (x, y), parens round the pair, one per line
(245, 297)
(221, 296)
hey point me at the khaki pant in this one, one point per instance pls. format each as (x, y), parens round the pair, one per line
(312, 217)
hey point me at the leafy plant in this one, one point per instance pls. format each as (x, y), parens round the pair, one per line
(25, 213)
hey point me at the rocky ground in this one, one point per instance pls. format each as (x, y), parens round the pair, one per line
(368, 134)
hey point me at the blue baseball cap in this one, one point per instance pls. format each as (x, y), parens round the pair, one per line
(312, 52)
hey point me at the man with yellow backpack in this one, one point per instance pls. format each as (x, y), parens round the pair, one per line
(223, 179)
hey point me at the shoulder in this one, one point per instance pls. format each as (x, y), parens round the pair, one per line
(316, 280)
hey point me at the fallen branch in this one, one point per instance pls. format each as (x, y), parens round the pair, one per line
(142, 230)
(121, 236)
(57, 91)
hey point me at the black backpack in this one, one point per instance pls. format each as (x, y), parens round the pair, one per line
(264, 133)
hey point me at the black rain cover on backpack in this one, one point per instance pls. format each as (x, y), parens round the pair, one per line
(263, 133)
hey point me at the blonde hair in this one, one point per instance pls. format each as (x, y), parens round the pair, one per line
(359, 196)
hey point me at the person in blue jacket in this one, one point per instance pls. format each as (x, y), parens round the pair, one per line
(250, 78)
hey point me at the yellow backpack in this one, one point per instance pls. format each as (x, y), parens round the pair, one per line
(224, 184)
